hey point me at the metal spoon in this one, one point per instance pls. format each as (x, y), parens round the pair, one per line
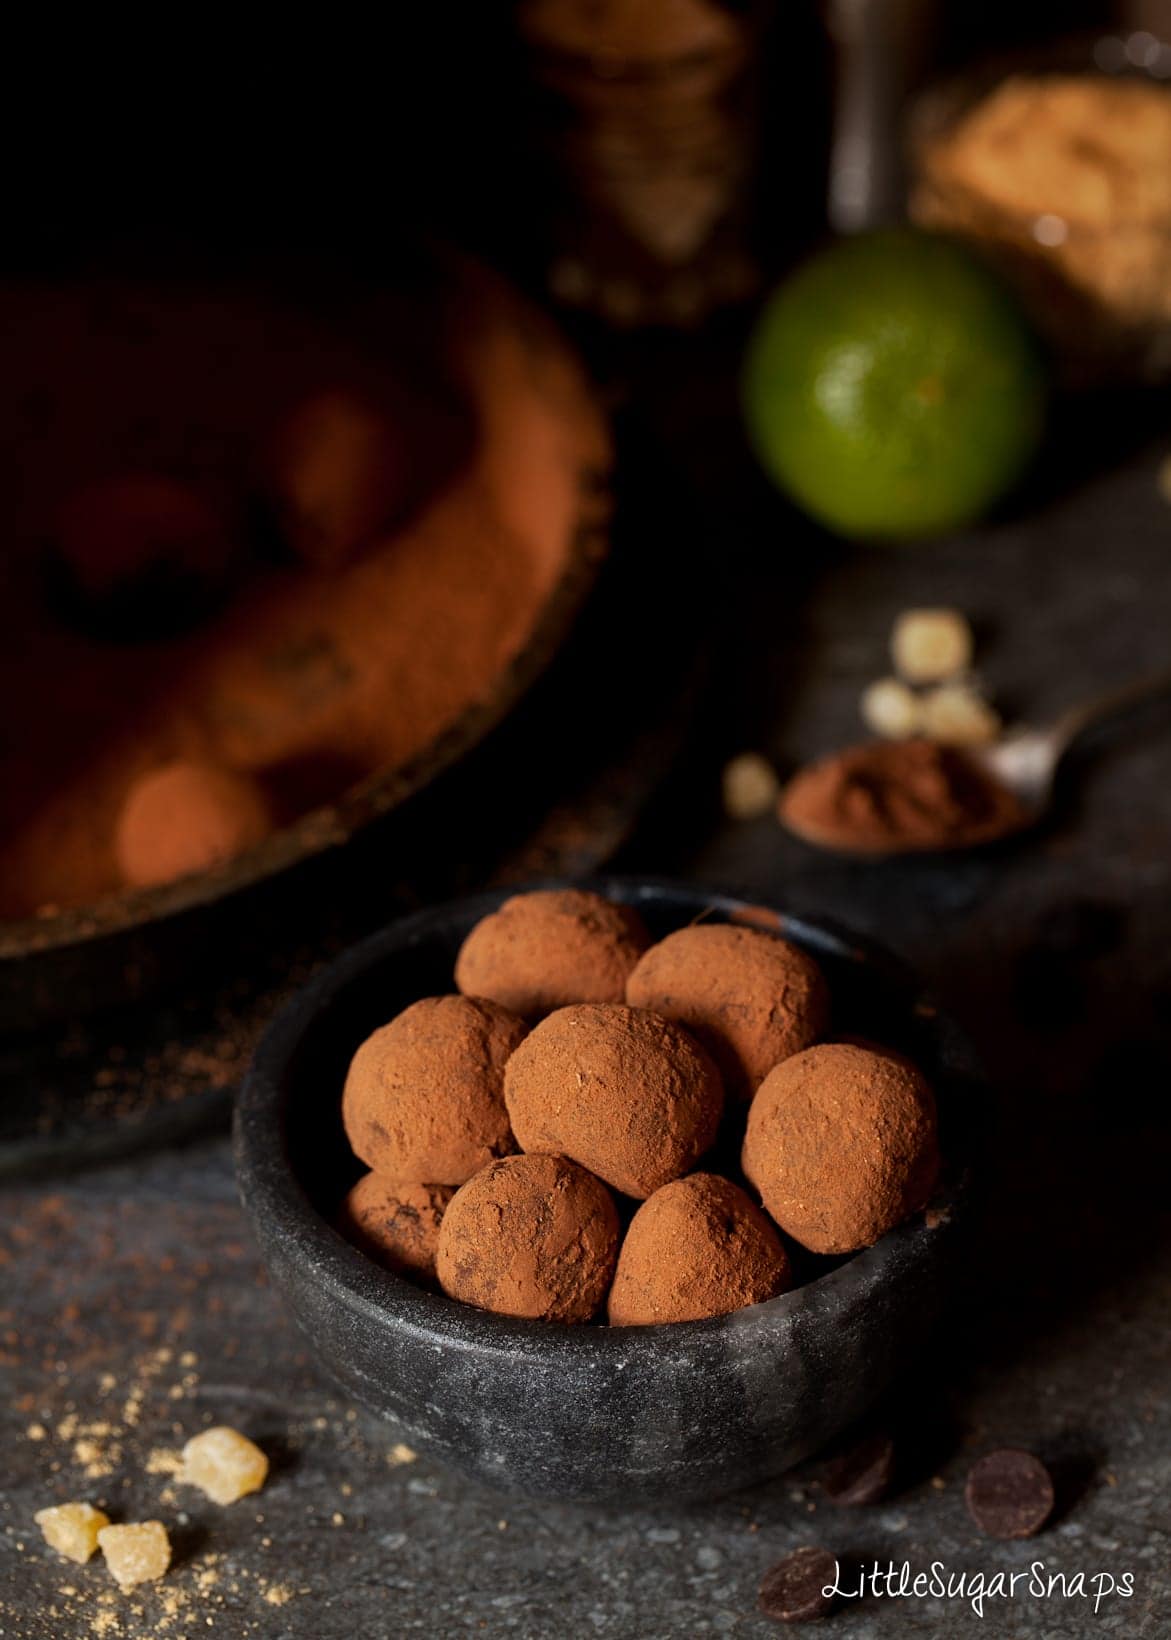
(1024, 764)
(1026, 760)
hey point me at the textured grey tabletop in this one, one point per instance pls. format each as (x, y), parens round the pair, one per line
(134, 1311)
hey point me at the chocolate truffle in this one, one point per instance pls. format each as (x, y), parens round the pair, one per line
(841, 1144)
(628, 1095)
(752, 999)
(697, 1247)
(533, 1236)
(337, 476)
(187, 817)
(423, 1100)
(396, 1224)
(549, 949)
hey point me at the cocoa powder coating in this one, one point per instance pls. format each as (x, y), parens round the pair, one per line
(697, 1247)
(533, 1236)
(396, 1224)
(551, 948)
(751, 999)
(423, 1099)
(629, 1095)
(841, 1144)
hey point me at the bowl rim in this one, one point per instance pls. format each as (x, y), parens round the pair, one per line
(280, 1208)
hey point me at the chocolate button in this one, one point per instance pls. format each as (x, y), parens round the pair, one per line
(862, 1474)
(1009, 1494)
(792, 1590)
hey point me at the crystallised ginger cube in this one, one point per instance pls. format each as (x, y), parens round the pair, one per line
(750, 787)
(931, 645)
(890, 709)
(136, 1554)
(224, 1464)
(955, 715)
(72, 1529)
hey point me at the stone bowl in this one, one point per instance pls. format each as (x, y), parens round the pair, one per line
(683, 1410)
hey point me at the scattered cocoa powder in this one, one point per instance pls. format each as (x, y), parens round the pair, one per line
(533, 1236)
(396, 1224)
(841, 1144)
(548, 949)
(423, 1099)
(697, 1247)
(751, 999)
(892, 797)
(629, 1095)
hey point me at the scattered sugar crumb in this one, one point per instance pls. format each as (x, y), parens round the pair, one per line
(164, 1460)
(36, 1432)
(400, 1452)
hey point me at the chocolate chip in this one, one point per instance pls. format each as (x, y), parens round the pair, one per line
(862, 1474)
(793, 1590)
(1009, 1494)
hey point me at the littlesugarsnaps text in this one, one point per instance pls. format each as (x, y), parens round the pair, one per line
(899, 1581)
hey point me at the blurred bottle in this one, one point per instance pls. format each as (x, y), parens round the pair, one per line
(649, 115)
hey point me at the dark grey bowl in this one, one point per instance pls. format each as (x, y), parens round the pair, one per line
(687, 1410)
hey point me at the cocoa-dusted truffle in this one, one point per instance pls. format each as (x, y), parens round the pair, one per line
(423, 1099)
(841, 1144)
(532, 1236)
(396, 1224)
(751, 998)
(548, 949)
(337, 475)
(187, 817)
(630, 1096)
(697, 1247)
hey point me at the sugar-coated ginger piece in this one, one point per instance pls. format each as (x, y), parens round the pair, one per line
(931, 645)
(891, 709)
(224, 1464)
(750, 786)
(72, 1529)
(138, 1553)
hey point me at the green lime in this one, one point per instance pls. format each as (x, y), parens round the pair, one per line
(892, 387)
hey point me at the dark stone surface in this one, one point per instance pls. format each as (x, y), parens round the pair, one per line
(133, 1299)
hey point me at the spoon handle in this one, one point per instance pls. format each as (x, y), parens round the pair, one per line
(1074, 723)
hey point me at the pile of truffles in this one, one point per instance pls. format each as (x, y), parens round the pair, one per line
(545, 1143)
